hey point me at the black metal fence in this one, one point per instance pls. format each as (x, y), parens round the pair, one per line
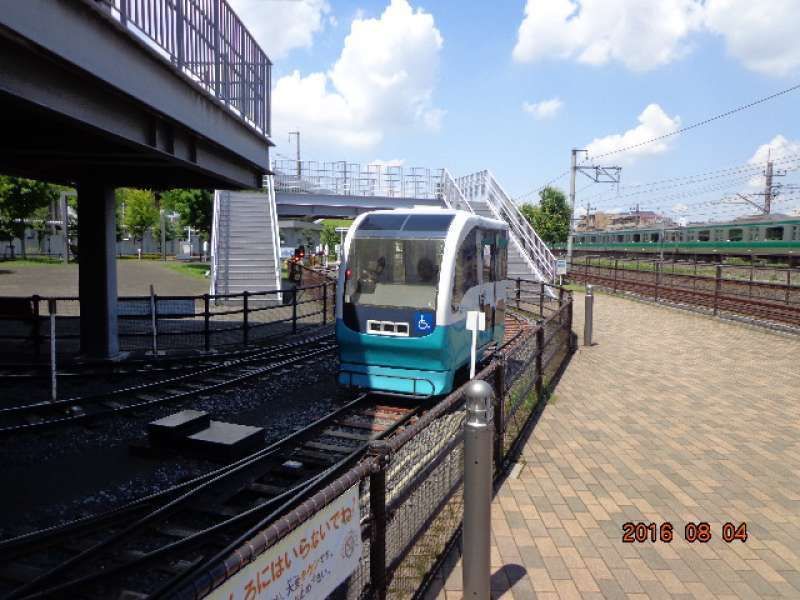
(410, 486)
(145, 323)
(206, 41)
(768, 294)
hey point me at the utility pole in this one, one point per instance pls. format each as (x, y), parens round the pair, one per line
(299, 168)
(770, 189)
(596, 173)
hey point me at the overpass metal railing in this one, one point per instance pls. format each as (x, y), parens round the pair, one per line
(174, 323)
(410, 486)
(206, 41)
(354, 179)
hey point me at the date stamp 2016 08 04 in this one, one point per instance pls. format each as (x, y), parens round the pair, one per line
(700, 532)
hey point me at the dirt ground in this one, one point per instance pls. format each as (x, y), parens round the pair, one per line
(133, 279)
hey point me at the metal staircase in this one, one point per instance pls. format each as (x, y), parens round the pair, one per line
(245, 245)
(528, 254)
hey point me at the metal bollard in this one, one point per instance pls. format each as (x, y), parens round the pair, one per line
(589, 316)
(478, 434)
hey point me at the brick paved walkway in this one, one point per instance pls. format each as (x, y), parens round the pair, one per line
(670, 417)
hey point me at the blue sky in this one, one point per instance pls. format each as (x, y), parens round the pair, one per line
(444, 84)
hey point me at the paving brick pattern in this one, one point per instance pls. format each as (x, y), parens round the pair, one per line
(671, 417)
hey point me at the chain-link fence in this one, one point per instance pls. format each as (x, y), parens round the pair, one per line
(411, 485)
(167, 323)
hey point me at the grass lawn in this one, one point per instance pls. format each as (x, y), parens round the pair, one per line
(37, 261)
(196, 270)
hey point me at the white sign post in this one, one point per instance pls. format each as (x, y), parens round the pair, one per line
(561, 268)
(476, 321)
(309, 563)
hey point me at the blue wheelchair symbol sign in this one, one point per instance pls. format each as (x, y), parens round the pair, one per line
(424, 322)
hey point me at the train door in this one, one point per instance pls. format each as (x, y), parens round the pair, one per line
(487, 300)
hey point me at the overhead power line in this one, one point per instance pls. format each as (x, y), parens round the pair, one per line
(701, 123)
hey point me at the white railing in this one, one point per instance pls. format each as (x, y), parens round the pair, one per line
(272, 209)
(354, 179)
(216, 215)
(483, 187)
(451, 194)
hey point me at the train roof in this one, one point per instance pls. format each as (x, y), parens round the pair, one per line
(419, 220)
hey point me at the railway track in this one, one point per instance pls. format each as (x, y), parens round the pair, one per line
(179, 386)
(142, 548)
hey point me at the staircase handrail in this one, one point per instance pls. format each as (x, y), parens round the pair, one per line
(520, 225)
(451, 194)
(214, 242)
(276, 240)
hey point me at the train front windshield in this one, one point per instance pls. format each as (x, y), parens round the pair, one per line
(392, 272)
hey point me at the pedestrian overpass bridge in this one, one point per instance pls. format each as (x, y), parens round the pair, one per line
(245, 236)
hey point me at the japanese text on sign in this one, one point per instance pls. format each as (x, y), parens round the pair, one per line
(309, 563)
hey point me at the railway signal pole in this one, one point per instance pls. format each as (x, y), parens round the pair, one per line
(596, 173)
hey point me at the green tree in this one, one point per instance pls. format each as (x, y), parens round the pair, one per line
(550, 218)
(141, 213)
(194, 207)
(329, 236)
(22, 199)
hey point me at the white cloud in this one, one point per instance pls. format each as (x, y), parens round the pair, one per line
(645, 34)
(680, 208)
(546, 109)
(777, 148)
(762, 35)
(653, 122)
(384, 78)
(641, 34)
(282, 26)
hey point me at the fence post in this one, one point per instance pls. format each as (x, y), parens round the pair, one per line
(51, 309)
(477, 490)
(539, 361)
(717, 286)
(324, 302)
(217, 57)
(154, 320)
(616, 266)
(294, 310)
(123, 12)
(588, 321)
(788, 283)
(206, 319)
(519, 290)
(37, 332)
(560, 305)
(658, 276)
(499, 411)
(377, 532)
(541, 299)
(245, 320)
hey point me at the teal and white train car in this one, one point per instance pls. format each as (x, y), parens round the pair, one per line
(407, 281)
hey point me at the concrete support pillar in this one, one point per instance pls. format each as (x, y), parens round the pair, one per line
(97, 282)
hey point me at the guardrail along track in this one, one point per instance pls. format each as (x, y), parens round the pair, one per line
(715, 295)
(182, 386)
(141, 547)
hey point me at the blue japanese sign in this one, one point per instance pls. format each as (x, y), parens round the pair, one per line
(424, 322)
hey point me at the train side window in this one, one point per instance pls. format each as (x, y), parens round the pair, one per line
(704, 235)
(796, 232)
(654, 237)
(754, 234)
(774, 233)
(466, 271)
(487, 246)
(620, 238)
(735, 235)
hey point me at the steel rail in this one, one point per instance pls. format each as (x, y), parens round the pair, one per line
(237, 376)
(254, 466)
